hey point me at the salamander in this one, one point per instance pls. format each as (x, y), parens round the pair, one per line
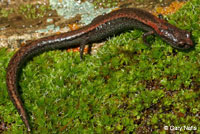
(99, 29)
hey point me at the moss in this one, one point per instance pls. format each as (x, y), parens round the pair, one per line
(5, 12)
(105, 3)
(28, 11)
(33, 11)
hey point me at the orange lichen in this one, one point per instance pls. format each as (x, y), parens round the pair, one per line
(77, 50)
(172, 8)
(115, 9)
(58, 32)
(73, 26)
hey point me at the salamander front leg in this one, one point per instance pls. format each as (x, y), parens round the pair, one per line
(160, 16)
(145, 37)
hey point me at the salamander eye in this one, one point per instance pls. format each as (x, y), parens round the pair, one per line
(187, 35)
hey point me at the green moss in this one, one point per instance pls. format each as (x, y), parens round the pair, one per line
(33, 11)
(105, 3)
(5, 13)
(125, 87)
(28, 11)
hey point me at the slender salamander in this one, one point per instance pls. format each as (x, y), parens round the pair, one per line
(99, 29)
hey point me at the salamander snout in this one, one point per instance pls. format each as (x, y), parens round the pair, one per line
(185, 41)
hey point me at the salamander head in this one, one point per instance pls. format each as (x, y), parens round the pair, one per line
(177, 38)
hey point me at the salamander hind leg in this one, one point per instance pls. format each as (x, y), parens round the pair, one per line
(82, 47)
(145, 37)
(89, 48)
